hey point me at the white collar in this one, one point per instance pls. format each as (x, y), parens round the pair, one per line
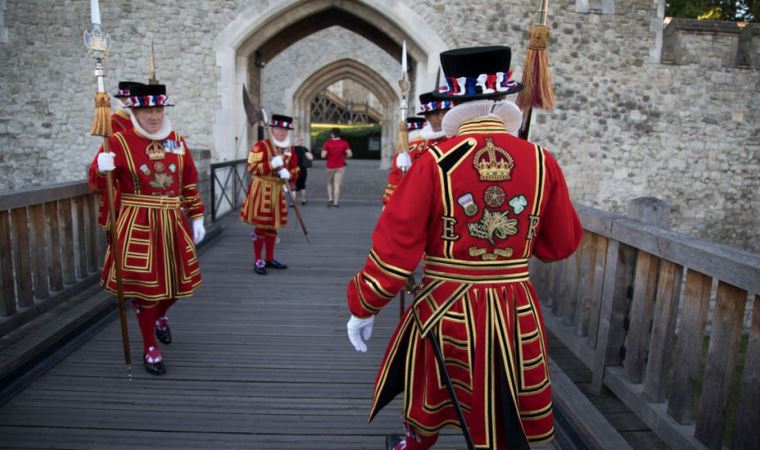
(428, 134)
(281, 144)
(414, 135)
(120, 106)
(504, 110)
(160, 135)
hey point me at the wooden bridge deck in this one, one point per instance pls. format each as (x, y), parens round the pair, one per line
(257, 362)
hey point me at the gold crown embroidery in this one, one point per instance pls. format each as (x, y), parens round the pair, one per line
(493, 163)
(155, 151)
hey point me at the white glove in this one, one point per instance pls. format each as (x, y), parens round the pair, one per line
(105, 162)
(403, 161)
(284, 174)
(277, 162)
(359, 328)
(199, 232)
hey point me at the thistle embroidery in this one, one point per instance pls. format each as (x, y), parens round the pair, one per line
(493, 223)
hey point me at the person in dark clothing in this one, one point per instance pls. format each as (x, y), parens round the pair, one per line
(304, 162)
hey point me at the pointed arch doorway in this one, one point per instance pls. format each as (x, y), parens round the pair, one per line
(348, 69)
(261, 32)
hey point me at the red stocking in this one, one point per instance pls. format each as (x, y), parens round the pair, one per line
(270, 245)
(415, 441)
(147, 313)
(258, 244)
(163, 307)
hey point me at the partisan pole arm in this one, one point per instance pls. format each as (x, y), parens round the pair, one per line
(98, 44)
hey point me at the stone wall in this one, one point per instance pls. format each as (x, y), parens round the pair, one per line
(626, 124)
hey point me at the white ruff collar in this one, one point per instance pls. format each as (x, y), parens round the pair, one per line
(282, 144)
(504, 110)
(120, 106)
(160, 135)
(428, 134)
(414, 135)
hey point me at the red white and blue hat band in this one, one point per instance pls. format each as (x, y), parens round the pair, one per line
(485, 83)
(414, 125)
(437, 105)
(122, 93)
(280, 123)
(145, 101)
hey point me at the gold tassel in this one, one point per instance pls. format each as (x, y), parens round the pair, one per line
(538, 92)
(402, 142)
(101, 123)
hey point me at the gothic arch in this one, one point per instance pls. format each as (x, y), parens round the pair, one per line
(262, 31)
(353, 70)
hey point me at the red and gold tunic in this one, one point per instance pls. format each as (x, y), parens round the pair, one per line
(416, 148)
(120, 122)
(159, 193)
(478, 206)
(264, 206)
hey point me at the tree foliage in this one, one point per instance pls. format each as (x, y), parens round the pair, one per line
(735, 10)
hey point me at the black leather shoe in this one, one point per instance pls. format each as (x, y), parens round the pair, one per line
(154, 367)
(274, 264)
(165, 335)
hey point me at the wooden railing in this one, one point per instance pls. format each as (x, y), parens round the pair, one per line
(659, 317)
(50, 247)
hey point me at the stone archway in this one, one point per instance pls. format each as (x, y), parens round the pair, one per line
(352, 70)
(261, 32)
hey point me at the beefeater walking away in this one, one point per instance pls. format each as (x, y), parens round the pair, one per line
(477, 206)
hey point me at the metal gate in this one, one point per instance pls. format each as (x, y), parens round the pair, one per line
(229, 182)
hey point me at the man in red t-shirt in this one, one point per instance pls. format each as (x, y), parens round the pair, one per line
(335, 150)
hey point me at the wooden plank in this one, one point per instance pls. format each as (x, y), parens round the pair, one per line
(663, 330)
(39, 245)
(595, 430)
(585, 284)
(56, 265)
(80, 236)
(7, 287)
(642, 308)
(44, 194)
(67, 241)
(654, 415)
(600, 259)
(91, 225)
(21, 260)
(570, 296)
(688, 356)
(557, 295)
(618, 276)
(747, 431)
(720, 363)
